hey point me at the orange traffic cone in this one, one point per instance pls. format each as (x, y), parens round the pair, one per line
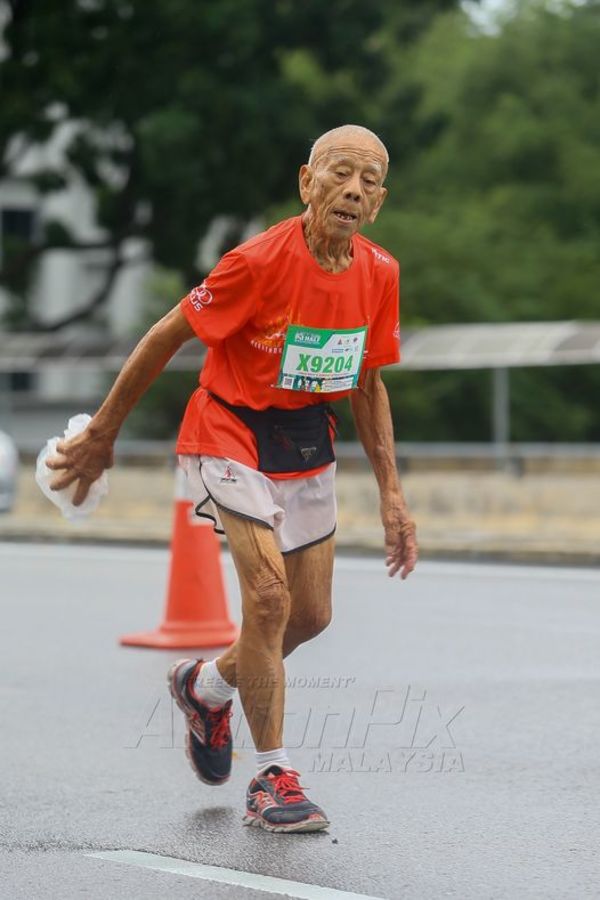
(196, 613)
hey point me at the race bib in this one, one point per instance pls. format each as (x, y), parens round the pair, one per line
(321, 359)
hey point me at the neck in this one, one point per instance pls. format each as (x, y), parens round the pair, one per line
(333, 256)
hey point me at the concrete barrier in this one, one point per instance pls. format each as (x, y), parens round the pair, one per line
(552, 518)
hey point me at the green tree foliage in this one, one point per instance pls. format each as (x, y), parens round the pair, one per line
(198, 108)
(497, 216)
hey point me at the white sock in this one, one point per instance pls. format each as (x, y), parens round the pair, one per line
(276, 757)
(211, 687)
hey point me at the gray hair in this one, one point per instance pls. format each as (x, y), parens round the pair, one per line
(349, 131)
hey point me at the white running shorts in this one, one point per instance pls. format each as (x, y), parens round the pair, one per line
(300, 511)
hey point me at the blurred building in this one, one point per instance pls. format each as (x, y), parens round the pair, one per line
(64, 281)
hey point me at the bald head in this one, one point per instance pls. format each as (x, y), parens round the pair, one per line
(345, 137)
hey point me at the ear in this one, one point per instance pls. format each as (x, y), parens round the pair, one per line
(378, 205)
(305, 183)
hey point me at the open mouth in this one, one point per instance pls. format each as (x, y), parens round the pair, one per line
(342, 216)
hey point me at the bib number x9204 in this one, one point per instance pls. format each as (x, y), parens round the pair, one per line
(325, 365)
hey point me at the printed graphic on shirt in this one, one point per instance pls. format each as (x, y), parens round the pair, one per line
(271, 336)
(321, 359)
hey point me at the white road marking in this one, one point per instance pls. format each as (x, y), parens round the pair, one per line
(425, 569)
(265, 883)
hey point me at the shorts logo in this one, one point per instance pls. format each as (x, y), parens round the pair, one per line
(228, 476)
(307, 452)
(200, 297)
(397, 331)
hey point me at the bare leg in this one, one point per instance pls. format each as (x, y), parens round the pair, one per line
(255, 661)
(300, 584)
(309, 574)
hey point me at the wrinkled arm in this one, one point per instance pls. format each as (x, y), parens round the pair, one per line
(85, 456)
(371, 410)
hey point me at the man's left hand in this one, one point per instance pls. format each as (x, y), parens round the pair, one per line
(400, 537)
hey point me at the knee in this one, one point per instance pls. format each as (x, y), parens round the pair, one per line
(269, 608)
(312, 624)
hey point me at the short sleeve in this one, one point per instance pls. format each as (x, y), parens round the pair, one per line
(383, 341)
(224, 302)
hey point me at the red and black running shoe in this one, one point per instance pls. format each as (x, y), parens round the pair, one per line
(275, 801)
(208, 743)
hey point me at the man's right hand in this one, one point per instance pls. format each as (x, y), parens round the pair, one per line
(82, 458)
(85, 457)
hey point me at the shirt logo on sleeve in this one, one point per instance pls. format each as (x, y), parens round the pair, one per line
(379, 256)
(200, 297)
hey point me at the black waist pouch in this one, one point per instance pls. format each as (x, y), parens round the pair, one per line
(289, 440)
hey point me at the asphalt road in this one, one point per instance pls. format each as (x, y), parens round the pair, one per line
(448, 725)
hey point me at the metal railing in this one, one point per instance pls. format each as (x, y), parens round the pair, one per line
(514, 456)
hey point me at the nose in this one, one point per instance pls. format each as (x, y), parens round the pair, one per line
(353, 189)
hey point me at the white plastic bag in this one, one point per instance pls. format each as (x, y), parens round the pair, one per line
(64, 499)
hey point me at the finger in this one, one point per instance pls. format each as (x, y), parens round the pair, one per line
(393, 555)
(393, 547)
(81, 492)
(394, 566)
(403, 556)
(56, 462)
(411, 560)
(62, 480)
(407, 569)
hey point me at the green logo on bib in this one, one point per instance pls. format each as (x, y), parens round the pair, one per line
(308, 338)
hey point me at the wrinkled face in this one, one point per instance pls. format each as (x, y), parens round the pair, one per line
(343, 186)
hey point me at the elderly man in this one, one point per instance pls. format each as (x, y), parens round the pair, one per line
(303, 314)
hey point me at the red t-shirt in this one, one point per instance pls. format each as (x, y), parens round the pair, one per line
(242, 310)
